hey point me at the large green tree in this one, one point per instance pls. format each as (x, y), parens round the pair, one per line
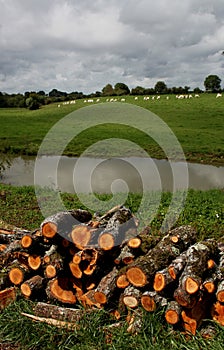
(121, 89)
(160, 87)
(108, 90)
(212, 83)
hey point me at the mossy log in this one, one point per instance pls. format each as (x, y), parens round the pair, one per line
(185, 299)
(58, 312)
(197, 257)
(168, 275)
(106, 287)
(143, 269)
(126, 256)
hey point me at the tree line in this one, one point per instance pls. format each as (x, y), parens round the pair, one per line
(34, 100)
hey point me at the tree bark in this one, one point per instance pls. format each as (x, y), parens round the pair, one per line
(32, 286)
(143, 269)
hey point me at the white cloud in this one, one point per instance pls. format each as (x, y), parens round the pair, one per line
(83, 45)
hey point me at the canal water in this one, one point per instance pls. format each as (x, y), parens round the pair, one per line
(135, 174)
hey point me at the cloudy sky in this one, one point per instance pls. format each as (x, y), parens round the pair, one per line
(74, 45)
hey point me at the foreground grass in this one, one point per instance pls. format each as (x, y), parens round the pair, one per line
(202, 209)
(155, 334)
(197, 123)
(18, 206)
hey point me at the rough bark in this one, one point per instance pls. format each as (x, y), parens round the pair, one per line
(106, 287)
(63, 222)
(197, 256)
(59, 313)
(32, 286)
(142, 271)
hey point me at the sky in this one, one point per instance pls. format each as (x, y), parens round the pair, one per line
(74, 45)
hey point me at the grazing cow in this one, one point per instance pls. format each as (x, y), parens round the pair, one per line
(136, 97)
(196, 95)
(122, 99)
(218, 95)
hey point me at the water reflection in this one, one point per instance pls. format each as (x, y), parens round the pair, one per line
(106, 175)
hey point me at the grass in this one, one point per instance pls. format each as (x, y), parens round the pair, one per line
(155, 333)
(203, 209)
(197, 123)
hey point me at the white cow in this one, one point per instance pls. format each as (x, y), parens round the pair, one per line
(218, 95)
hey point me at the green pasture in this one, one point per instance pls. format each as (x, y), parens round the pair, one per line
(197, 123)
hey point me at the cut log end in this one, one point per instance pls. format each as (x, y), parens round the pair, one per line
(172, 272)
(100, 297)
(218, 313)
(26, 241)
(81, 235)
(130, 301)
(50, 271)
(122, 281)
(34, 262)
(148, 303)
(209, 287)
(26, 290)
(106, 241)
(16, 275)
(49, 229)
(59, 290)
(220, 296)
(159, 282)
(190, 324)
(191, 285)
(134, 242)
(75, 270)
(136, 277)
(172, 317)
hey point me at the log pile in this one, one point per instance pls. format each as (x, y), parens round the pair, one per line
(76, 259)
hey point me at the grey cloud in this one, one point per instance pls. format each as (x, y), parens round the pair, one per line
(83, 45)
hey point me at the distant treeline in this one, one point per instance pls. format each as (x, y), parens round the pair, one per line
(34, 100)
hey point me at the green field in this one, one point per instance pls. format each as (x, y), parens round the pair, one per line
(197, 123)
(203, 209)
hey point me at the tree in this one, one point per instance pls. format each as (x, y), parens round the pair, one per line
(160, 87)
(121, 89)
(138, 90)
(108, 90)
(212, 83)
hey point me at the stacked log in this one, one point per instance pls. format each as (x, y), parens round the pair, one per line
(108, 262)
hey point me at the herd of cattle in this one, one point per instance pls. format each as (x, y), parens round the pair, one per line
(145, 98)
